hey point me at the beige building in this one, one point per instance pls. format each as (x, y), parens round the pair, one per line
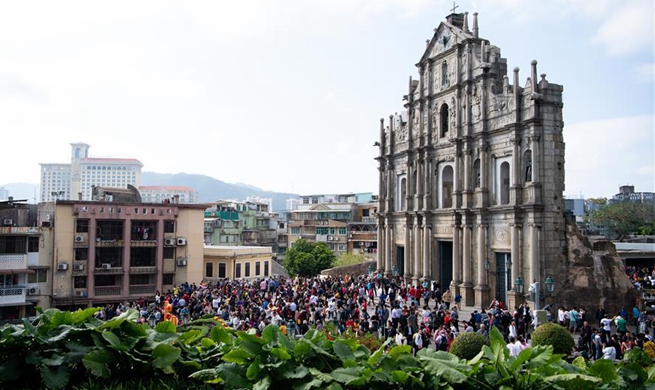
(472, 173)
(237, 262)
(115, 251)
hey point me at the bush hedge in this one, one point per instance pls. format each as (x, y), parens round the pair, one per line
(556, 335)
(468, 345)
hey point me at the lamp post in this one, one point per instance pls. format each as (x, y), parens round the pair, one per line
(534, 287)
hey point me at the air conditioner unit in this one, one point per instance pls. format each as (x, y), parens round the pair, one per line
(79, 238)
(80, 293)
(181, 261)
(180, 241)
(7, 222)
(169, 242)
(33, 291)
(106, 266)
(62, 266)
(78, 267)
(350, 235)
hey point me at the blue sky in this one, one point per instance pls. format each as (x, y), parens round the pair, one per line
(286, 95)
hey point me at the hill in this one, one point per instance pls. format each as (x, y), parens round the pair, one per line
(211, 190)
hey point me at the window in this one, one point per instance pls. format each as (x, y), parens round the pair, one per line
(258, 268)
(402, 193)
(81, 253)
(527, 165)
(79, 282)
(332, 231)
(295, 230)
(323, 231)
(447, 176)
(13, 244)
(266, 268)
(169, 252)
(221, 270)
(342, 231)
(476, 174)
(443, 116)
(82, 225)
(237, 270)
(40, 275)
(33, 244)
(504, 183)
(168, 279)
(209, 270)
(247, 273)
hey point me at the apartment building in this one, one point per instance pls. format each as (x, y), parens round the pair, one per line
(75, 180)
(160, 194)
(108, 251)
(236, 262)
(25, 253)
(235, 223)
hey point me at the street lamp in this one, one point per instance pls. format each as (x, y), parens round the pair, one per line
(534, 287)
(370, 269)
(394, 270)
(519, 285)
(487, 265)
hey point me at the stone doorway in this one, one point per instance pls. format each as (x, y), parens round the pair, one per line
(445, 264)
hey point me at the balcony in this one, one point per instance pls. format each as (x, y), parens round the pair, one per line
(13, 261)
(143, 243)
(143, 270)
(369, 219)
(108, 290)
(109, 243)
(108, 271)
(12, 295)
(142, 290)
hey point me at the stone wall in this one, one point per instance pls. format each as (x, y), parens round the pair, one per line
(353, 270)
(594, 275)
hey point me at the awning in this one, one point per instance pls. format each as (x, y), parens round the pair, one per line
(20, 271)
(17, 304)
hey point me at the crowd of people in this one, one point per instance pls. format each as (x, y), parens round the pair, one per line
(417, 315)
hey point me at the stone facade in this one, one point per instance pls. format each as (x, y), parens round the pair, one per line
(472, 172)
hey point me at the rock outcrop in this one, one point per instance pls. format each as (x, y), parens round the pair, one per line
(594, 275)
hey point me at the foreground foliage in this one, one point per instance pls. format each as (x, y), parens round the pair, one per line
(73, 350)
(468, 345)
(556, 335)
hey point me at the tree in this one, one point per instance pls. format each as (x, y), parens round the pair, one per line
(622, 219)
(308, 258)
(350, 259)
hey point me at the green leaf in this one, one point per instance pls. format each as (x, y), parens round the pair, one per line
(280, 353)
(164, 355)
(233, 375)
(210, 375)
(580, 362)
(253, 370)
(399, 376)
(54, 360)
(220, 335)
(97, 361)
(342, 350)
(604, 369)
(399, 350)
(80, 316)
(166, 327)
(111, 338)
(301, 349)
(350, 376)
(446, 366)
(263, 383)
(574, 381)
(297, 373)
(270, 333)
(55, 377)
(10, 370)
(315, 382)
(238, 356)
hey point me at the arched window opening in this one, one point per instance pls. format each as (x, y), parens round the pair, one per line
(504, 183)
(77, 152)
(444, 74)
(403, 194)
(447, 181)
(414, 181)
(476, 174)
(527, 165)
(443, 116)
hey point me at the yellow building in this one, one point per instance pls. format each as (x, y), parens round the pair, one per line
(237, 262)
(108, 251)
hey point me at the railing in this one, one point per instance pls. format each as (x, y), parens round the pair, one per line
(112, 270)
(108, 290)
(143, 270)
(14, 294)
(109, 243)
(142, 243)
(13, 261)
(369, 219)
(141, 290)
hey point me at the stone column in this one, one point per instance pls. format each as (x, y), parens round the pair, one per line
(515, 197)
(484, 175)
(482, 288)
(467, 285)
(467, 199)
(388, 228)
(127, 238)
(454, 285)
(90, 279)
(416, 241)
(407, 272)
(427, 233)
(513, 298)
(534, 147)
(380, 263)
(418, 196)
(427, 187)
(534, 254)
(159, 262)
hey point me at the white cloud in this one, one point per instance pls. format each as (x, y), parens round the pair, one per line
(628, 28)
(646, 72)
(602, 155)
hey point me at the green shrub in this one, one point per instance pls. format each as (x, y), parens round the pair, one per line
(468, 345)
(556, 335)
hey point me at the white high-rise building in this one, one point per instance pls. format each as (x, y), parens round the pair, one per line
(67, 181)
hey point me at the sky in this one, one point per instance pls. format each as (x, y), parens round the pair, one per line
(286, 95)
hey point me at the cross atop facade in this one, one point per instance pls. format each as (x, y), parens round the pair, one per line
(454, 7)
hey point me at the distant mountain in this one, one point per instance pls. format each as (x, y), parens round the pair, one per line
(27, 191)
(211, 190)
